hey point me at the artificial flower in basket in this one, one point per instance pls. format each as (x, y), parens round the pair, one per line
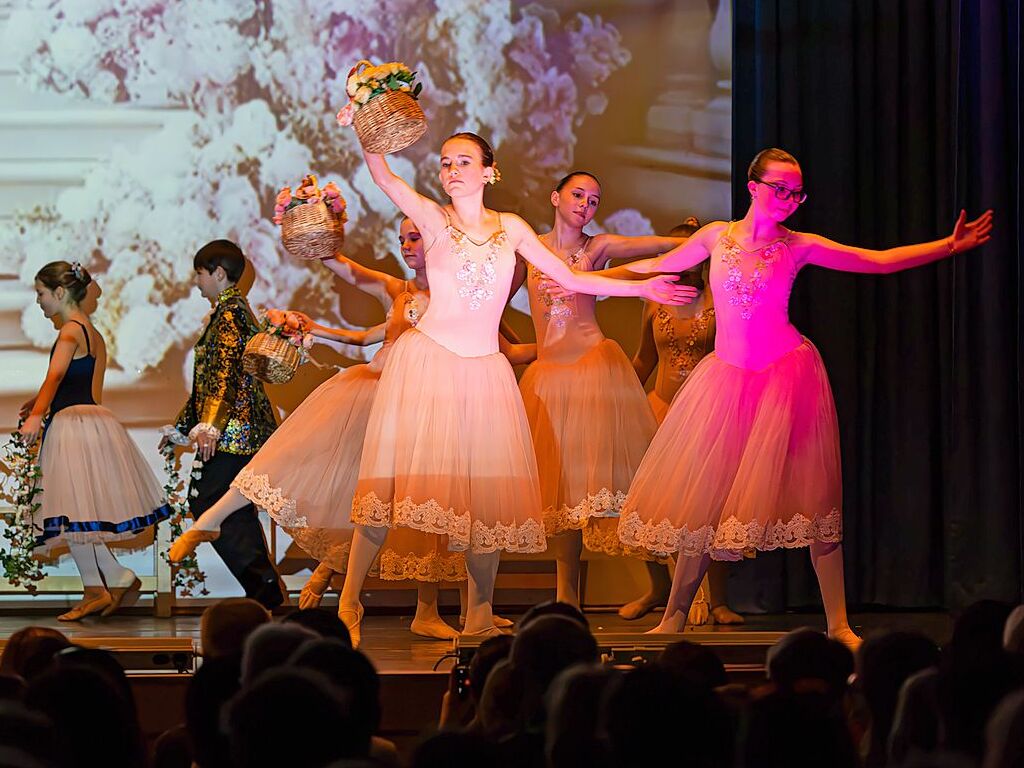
(312, 219)
(383, 107)
(274, 354)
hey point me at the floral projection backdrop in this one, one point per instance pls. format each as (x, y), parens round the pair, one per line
(251, 90)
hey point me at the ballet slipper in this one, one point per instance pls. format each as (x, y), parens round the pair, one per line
(353, 622)
(186, 544)
(486, 632)
(847, 637)
(123, 597)
(435, 628)
(637, 609)
(698, 614)
(315, 587)
(94, 600)
(499, 621)
(723, 614)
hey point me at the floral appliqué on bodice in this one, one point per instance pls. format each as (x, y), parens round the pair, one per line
(746, 293)
(477, 273)
(559, 309)
(685, 354)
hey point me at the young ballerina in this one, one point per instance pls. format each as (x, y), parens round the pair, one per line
(304, 476)
(97, 486)
(673, 340)
(448, 447)
(588, 414)
(748, 454)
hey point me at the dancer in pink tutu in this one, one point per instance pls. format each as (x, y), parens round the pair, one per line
(589, 417)
(748, 454)
(97, 487)
(448, 448)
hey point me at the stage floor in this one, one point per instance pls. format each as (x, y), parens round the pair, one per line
(393, 649)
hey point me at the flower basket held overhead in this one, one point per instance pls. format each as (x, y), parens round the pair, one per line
(383, 106)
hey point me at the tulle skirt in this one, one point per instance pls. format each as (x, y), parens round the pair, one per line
(305, 475)
(97, 487)
(591, 425)
(745, 460)
(448, 451)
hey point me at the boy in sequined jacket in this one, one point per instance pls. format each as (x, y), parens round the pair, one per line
(228, 417)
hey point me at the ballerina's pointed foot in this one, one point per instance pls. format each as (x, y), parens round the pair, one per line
(847, 637)
(499, 621)
(316, 587)
(640, 607)
(352, 618)
(186, 544)
(434, 628)
(95, 600)
(123, 597)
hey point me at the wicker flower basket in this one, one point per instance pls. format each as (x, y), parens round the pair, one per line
(312, 231)
(271, 358)
(389, 122)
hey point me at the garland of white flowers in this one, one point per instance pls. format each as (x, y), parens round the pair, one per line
(19, 490)
(188, 577)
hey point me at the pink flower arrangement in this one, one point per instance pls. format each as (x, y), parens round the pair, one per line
(293, 327)
(308, 191)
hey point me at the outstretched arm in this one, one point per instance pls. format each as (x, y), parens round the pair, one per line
(63, 353)
(616, 247)
(822, 252)
(380, 285)
(363, 338)
(660, 288)
(426, 214)
(688, 254)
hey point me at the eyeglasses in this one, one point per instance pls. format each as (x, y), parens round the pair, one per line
(784, 193)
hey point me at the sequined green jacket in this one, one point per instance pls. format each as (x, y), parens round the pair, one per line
(223, 395)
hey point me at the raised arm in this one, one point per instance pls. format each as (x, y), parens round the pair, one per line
(617, 247)
(380, 285)
(426, 214)
(660, 288)
(63, 354)
(646, 358)
(822, 252)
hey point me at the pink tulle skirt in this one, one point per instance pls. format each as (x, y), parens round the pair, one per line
(97, 487)
(745, 460)
(304, 476)
(591, 425)
(448, 451)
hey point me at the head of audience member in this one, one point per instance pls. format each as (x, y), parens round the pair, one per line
(1013, 632)
(917, 722)
(455, 749)
(651, 717)
(323, 622)
(696, 664)
(351, 672)
(786, 728)
(553, 608)
(271, 646)
(27, 732)
(975, 674)
(491, 652)
(29, 651)
(12, 688)
(501, 703)
(807, 660)
(84, 704)
(573, 702)
(883, 664)
(214, 684)
(99, 660)
(256, 715)
(1004, 734)
(225, 626)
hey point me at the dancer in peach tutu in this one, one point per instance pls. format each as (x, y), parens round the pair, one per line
(448, 448)
(589, 417)
(673, 340)
(748, 454)
(97, 487)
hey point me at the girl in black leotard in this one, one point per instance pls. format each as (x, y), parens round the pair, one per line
(97, 487)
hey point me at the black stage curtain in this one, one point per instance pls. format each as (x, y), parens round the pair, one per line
(901, 112)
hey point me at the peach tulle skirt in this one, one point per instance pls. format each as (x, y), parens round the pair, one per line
(448, 451)
(97, 487)
(304, 476)
(591, 425)
(745, 460)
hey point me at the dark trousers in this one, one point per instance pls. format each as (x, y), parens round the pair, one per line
(241, 545)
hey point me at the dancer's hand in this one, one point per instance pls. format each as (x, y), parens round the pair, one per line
(26, 408)
(552, 289)
(663, 289)
(297, 321)
(31, 428)
(164, 441)
(970, 234)
(206, 445)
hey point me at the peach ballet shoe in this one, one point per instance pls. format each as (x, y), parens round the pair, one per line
(94, 600)
(123, 597)
(186, 544)
(847, 637)
(316, 587)
(352, 625)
